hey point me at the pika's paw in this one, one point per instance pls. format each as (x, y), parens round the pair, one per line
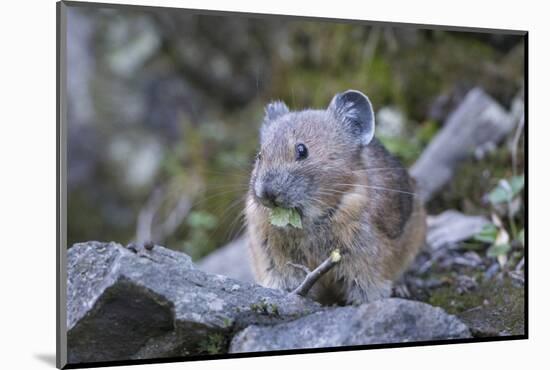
(401, 291)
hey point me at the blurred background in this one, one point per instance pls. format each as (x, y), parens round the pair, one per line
(164, 108)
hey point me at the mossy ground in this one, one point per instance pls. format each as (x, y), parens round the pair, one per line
(495, 307)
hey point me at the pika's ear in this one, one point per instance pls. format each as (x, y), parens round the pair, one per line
(275, 109)
(354, 109)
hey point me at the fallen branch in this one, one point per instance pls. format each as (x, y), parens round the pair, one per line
(515, 144)
(150, 227)
(479, 121)
(313, 276)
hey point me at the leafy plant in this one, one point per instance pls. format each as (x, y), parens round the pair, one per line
(506, 190)
(503, 198)
(488, 234)
(214, 344)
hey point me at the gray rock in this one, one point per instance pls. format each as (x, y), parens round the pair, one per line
(387, 321)
(137, 303)
(231, 260)
(451, 227)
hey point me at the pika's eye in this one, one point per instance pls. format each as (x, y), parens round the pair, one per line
(301, 152)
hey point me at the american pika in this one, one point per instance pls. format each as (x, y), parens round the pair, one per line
(350, 192)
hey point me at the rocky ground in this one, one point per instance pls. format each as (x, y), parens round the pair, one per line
(136, 303)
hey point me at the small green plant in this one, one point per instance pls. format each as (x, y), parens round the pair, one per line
(213, 344)
(505, 200)
(227, 322)
(507, 190)
(263, 307)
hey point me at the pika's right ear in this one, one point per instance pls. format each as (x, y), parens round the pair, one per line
(274, 110)
(354, 110)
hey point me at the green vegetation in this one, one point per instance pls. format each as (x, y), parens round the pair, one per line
(506, 201)
(214, 344)
(265, 308)
(282, 217)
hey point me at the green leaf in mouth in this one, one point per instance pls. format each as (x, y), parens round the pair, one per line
(285, 216)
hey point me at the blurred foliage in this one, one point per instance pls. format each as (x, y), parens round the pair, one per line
(506, 190)
(504, 237)
(184, 95)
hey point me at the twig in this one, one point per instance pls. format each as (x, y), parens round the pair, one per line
(516, 275)
(515, 144)
(147, 229)
(391, 39)
(144, 227)
(372, 42)
(175, 218)
(519, 266)
(299, 267)
(314, 275)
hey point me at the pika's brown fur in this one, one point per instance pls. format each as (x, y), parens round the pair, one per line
(351, 194)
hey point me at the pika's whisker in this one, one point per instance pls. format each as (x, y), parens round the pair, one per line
(223, 215)
(380, 169)
(374, 187)
(219, 194)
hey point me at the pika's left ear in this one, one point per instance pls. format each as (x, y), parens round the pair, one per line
(354, 110)
(273, 110)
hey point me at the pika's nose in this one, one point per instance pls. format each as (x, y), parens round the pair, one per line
(269, 196)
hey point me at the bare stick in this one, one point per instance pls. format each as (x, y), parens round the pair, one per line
(148, 228)
(313, 276)
(146, 216)
(515, 144)
(519, 266)
(300, 267)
